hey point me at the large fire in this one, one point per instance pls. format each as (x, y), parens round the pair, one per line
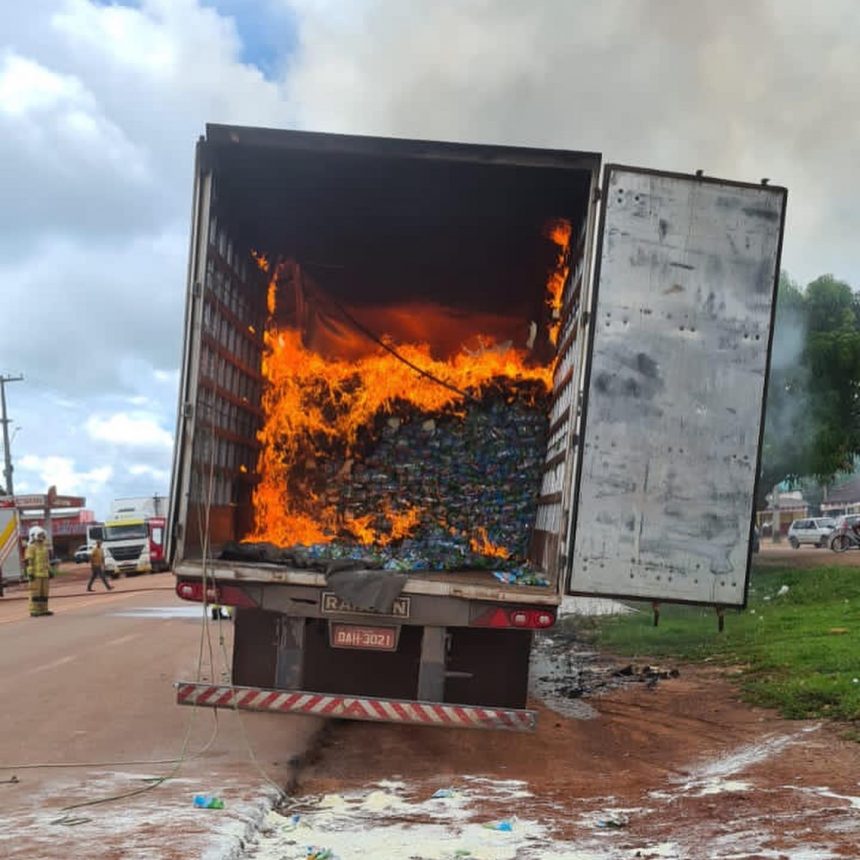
(332, 372)
(559, 232)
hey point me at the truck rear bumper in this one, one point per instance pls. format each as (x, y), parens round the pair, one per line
(355, 708)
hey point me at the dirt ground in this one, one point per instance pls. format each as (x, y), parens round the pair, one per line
(678, 769)
(781, 554)
(625, 764)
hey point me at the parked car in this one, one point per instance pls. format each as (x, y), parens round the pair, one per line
(82, 554)
(815, 531)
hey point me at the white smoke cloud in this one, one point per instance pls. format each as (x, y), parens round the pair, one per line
(741, 88)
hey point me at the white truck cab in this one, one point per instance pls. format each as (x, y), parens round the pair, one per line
(126, 546)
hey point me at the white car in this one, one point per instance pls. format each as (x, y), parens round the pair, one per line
(815, 531)
(82, 554)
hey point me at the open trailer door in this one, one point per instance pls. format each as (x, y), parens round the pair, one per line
(673, 409)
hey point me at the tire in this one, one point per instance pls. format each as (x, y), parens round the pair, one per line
(822, 544)
(840, 543)
(795, 543)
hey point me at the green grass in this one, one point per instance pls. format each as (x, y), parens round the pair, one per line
(798, 653)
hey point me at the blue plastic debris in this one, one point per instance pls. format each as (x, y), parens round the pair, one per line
(208, 801)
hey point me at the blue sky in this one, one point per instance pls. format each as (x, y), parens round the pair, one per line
(267, 31)
(100, 105)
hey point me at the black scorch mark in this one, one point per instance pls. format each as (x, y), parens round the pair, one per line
(760, 212)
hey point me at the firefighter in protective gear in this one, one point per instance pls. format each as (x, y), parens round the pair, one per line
(38, 561)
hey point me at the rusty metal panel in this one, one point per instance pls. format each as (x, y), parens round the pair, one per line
(673, 411)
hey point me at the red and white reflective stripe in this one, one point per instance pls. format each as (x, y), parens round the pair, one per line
(354, 708)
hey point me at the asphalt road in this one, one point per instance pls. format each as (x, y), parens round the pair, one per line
(92, 687)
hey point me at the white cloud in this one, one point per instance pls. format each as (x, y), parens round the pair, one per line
(129, 429)
(168, 377)
(160, 476)
(56, 139)
(127, 36)
(62, 472)
(27, 87)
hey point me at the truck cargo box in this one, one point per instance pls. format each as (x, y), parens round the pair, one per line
(328, 248)
(356, 246)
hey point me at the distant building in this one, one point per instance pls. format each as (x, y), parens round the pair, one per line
(68, 529)
(792, 506)
(843, 499)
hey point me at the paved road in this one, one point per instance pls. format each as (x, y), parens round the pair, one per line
(92, 686)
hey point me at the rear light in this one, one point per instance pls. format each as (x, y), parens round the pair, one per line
(522, 618)
(543, 619)
(223, 595)
(193, 590)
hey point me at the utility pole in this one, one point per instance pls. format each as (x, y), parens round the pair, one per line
(776, 527)
(7, 470)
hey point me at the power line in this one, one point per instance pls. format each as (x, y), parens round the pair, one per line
(4, 420)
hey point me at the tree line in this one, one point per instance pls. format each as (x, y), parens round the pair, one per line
(812, 420)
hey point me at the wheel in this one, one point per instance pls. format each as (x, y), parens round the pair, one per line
(840, 543)
(822, 544)
(795, 543)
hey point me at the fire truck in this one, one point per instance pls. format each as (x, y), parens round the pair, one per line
(641, 300)
(10, 544)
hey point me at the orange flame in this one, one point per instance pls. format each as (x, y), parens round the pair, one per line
(559, 232)
(261, 260)
(318, 403)
(481, 544)
(401, 524)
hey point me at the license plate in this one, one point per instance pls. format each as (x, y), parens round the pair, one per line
(332, 604)
(369, 638)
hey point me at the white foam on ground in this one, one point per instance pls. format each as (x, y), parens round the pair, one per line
(161, 612)
(151, 824)
(385, 822)
(592, 606)
(715, 776)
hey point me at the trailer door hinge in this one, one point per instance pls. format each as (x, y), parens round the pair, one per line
(197, 290)
(598, 194)
(188, 410)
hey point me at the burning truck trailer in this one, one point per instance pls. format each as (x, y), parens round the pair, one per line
(429, 388)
